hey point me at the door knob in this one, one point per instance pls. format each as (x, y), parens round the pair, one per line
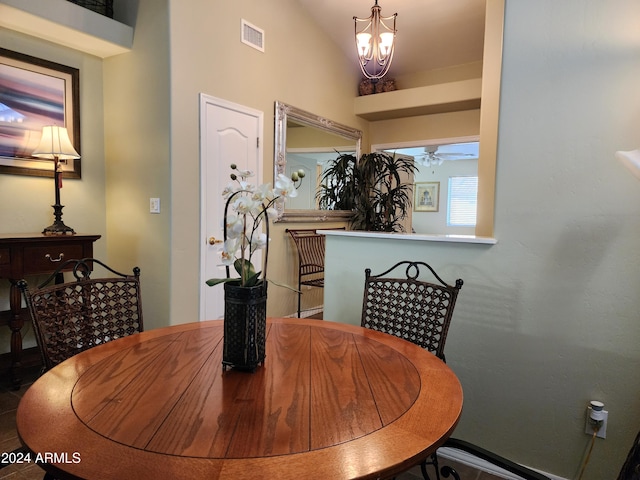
(214, 240)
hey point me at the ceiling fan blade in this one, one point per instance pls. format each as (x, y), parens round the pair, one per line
(455, 154)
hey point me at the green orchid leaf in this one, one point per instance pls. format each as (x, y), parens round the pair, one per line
(246, 265)
(284, 286)
(253, 280)
(216, 281)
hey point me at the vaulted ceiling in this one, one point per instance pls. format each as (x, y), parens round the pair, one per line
(431, 34)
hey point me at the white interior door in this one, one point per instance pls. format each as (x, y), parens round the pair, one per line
(306, 199)
(229, 133)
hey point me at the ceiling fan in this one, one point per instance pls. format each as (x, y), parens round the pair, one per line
(431, 157)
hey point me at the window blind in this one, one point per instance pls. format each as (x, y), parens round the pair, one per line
(462, 201)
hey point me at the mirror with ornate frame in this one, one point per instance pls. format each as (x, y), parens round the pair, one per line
(307, 141)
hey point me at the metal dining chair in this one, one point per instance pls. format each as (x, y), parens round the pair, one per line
(631, 467)
(410, 308)
(415, 310)
(420, 312)
(310, 246)
(69, 318)
(520, 471)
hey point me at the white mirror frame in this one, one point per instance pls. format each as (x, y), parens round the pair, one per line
(284, 113)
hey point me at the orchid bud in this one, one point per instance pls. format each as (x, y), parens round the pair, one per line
(301, 173)
(233, 166)
(295, 177)
(233, 176)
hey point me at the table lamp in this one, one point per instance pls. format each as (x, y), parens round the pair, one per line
(55, 145)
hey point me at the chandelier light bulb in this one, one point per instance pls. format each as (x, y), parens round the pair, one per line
(386, 42)
(364, 44)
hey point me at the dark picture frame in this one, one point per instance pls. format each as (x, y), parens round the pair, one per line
(34, 93)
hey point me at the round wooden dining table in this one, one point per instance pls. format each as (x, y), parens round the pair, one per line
(331, 401)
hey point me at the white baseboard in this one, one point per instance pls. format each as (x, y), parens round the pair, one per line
(306, 313)
(480, 464)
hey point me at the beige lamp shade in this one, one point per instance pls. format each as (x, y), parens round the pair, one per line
(55, 143)
(631, 160)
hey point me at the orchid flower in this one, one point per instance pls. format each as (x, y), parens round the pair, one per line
(263, 193)
(285, 187)
(235, 226)
(258, 242)
(272, 213)
(229, 250)
(242, 173)
(229, 190)
(244, 205)
(250, 206)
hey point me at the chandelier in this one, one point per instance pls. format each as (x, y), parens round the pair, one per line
(375, 43)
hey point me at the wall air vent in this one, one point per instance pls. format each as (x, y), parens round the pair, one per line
(252, 36)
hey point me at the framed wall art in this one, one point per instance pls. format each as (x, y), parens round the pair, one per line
(35, 93)
(427, 197)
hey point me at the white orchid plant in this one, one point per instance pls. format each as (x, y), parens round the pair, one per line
(243, 235)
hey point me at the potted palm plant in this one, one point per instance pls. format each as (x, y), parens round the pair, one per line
(373, 188)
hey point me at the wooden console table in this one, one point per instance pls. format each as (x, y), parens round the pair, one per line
(33, 254)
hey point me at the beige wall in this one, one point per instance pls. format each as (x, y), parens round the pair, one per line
(223, 67)
(482, 122)
(548, 316)
(547, 319)
(140, 135)
(25, 202)
(137, 150)
(439, 76)
(426, 127)
(146, 141)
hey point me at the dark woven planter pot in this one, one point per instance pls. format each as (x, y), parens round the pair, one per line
(245, 322)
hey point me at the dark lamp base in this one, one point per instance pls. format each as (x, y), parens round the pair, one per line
(58, 227)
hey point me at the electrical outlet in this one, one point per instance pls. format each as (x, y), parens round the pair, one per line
(588, 429)
(154, 205)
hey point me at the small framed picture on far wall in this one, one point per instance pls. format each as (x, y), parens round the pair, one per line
(426, 197)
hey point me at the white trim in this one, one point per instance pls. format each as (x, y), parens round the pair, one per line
(309, 312)
(205, 101)
(424, 143)
(345, 148)
(465, 458)
(412, 236)
(67, 24)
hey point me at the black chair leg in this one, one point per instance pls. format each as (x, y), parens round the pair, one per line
(423, 468)
(446, 471)
(433, 461)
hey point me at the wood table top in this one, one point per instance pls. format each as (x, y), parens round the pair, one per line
(332, 401)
